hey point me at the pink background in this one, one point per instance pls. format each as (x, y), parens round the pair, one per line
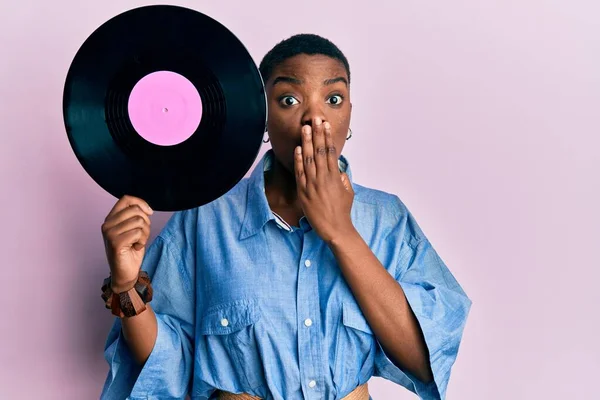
(482, 116)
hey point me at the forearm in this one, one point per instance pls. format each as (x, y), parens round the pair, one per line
(384, 304)
(140, 333)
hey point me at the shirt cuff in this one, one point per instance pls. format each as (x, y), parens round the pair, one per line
(164, 375)
(441, 317)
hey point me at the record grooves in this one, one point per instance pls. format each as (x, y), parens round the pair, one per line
(166, 104)
(120, 127)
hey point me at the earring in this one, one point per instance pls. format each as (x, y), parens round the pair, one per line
(350, 133)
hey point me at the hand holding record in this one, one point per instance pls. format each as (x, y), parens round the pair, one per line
(126, 230)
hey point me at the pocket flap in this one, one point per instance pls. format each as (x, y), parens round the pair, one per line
(226, 318)
(353, 317)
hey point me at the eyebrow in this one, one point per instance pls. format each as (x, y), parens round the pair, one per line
(335, 80)
(286, 79)
(295, 81)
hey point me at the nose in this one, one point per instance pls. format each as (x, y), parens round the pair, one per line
(312, 111)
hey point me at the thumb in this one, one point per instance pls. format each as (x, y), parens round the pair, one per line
(346, 182)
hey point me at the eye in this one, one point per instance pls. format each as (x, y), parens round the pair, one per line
(288, 101)
(335, 100)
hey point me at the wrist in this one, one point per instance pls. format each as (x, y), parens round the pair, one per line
(343, 238)
(127, 299)
(118, 286)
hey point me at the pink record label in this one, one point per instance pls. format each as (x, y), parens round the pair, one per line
(165, 108)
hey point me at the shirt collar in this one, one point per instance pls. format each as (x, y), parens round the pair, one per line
(258, 212)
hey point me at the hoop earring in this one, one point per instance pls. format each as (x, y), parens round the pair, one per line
(349, 136)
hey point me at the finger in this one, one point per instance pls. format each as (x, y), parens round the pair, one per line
(319, 147)
(332, 160)
(308, 158)
(132, 223)
(299, 168)
(125, 214)
(136, 238)
(346, 182)
(127, 201)
(139, 245)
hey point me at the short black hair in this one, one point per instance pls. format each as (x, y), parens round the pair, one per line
(304, 43)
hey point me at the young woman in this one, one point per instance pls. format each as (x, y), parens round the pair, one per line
(298, 283)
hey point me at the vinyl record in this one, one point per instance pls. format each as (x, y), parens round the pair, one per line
(166, 104)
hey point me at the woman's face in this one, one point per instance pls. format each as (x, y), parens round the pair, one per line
(299, 90)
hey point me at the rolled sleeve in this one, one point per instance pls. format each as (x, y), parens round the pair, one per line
(166, 374)
(441, 308)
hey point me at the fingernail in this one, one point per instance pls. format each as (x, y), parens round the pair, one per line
(298, 149)
(318, 121)
(326, 125)
(151, 211)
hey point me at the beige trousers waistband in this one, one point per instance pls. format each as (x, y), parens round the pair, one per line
(360, 393)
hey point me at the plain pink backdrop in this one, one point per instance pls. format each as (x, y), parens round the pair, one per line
(483, 116)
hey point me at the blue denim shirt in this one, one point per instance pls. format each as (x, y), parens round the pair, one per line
(247, 303)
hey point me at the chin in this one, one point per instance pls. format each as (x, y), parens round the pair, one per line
(290, 167)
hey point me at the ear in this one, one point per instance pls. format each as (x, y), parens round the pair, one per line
(350, 114)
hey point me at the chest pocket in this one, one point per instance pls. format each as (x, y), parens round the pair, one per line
(229, 329)
(355, 347)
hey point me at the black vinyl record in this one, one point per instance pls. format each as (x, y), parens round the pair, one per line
(166, 104)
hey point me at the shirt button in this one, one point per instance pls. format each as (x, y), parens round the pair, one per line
(312, 384)
(224, 322)
(307, 263)
(308, 322)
